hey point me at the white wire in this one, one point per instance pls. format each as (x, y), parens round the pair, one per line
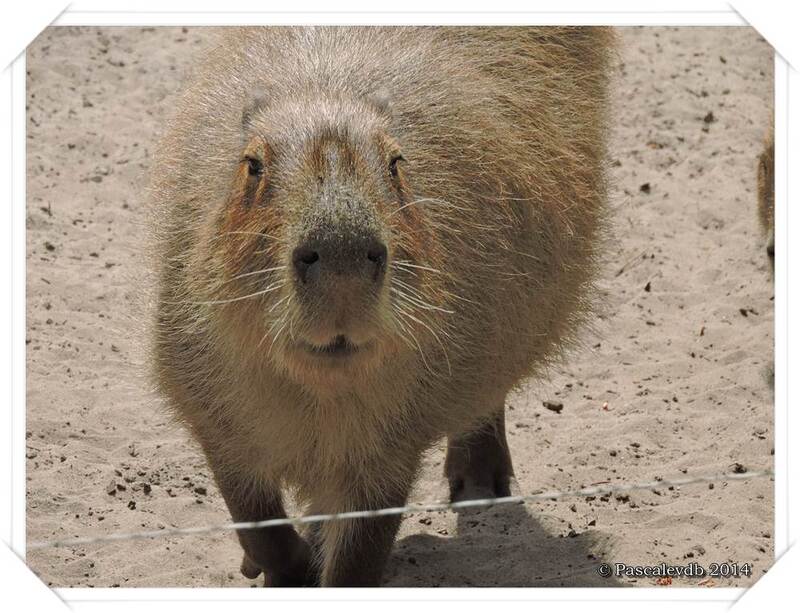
(412, 508)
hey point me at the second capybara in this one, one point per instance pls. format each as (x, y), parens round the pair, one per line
(766, 194)
(365, 238)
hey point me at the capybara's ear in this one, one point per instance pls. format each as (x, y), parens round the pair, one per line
(255, 102)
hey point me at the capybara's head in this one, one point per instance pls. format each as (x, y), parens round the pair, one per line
(323, 256)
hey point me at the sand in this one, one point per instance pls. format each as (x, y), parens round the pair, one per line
(680, 353)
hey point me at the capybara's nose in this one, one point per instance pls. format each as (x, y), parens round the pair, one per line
(771, 250)
(355, 258)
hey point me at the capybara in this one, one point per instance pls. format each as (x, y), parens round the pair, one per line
(365, 238)
(766, 193)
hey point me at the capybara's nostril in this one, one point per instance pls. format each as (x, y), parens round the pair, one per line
(376, 254)
(306, 261)
(771, 250)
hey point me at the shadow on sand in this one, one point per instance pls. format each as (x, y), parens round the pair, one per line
(503, 546)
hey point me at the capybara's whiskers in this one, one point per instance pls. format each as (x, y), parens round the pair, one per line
(281, 323)
(277, 334)
(461, 298)
(278, 303)
(417, 301)
(256, 272)
(408, 314)
(416, 293)
(269, 289)
(406, 264)
(400, 317)
(407, 271)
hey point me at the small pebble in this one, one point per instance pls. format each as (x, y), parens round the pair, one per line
(551, 405)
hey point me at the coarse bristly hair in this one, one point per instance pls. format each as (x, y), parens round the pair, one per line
(490, 210)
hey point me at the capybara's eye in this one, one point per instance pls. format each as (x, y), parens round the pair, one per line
(254, 166)
(393, 165)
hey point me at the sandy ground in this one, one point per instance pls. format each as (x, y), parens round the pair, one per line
(680, 354)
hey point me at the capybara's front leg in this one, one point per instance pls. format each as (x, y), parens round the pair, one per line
(478, 463)
(279, 552)
(358, 550)
(355, 551)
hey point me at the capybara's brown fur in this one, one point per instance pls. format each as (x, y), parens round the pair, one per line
(366, 238)
(766, 193)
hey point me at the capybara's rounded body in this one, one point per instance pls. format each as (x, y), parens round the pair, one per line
(366, 238)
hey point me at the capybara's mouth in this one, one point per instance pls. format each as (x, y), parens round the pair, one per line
(339, 347)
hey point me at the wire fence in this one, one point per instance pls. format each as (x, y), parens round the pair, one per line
(593, 490)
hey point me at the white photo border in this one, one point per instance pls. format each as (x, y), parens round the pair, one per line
(13, 164)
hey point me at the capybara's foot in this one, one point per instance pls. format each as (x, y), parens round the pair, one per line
(249, 568)
(277, 579)
(477, 485)
(301, 575)
(478, 463)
